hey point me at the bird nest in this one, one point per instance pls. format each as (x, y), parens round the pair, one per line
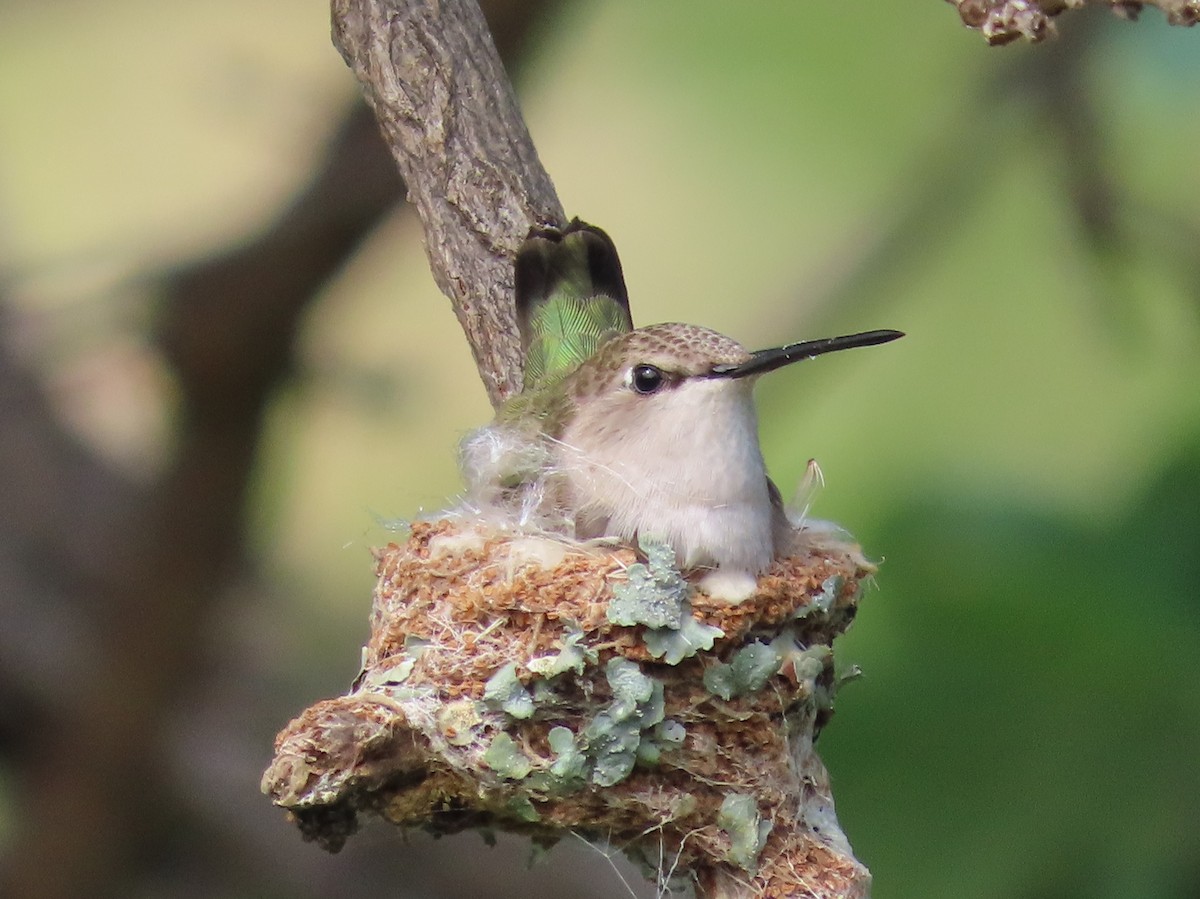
(541, 686)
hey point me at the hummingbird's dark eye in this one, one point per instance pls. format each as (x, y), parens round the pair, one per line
(646, 379)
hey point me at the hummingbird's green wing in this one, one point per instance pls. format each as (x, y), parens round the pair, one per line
(570, 296)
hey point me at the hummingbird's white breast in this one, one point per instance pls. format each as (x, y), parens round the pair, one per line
(683, 467)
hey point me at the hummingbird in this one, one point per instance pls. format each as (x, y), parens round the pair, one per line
(635, 434)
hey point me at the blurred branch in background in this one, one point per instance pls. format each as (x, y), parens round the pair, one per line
(1114, 226)
(144, 570)
(1047, 91)
(111, 586)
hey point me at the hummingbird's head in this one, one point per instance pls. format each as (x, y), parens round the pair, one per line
(640, 369)
(637, 372)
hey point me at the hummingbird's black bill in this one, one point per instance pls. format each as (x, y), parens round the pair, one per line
(769, 360)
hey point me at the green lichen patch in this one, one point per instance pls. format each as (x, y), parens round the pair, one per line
(613, 745)
(568, 773)
(666, 735)
(522, 809)
(655, 595)
(571, 764)
(804, 664)
(822, 603)
(741, 821)
(505, 757)
(505, 691)
(673, 646)
(573, 656)
(614, 736)
(631, 689)
(390, 677)
(654, 592)
(748, 672)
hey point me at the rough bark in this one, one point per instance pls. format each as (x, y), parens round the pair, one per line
(432, 74)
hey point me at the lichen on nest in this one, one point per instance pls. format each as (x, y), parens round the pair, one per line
(547, 686)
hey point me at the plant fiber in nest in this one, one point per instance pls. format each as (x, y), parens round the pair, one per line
(545, 686)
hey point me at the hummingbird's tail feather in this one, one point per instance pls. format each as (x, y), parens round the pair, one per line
(570, 298)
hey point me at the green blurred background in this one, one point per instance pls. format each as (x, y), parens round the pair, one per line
(1026, 462)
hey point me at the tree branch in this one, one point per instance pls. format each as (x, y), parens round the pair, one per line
(432, 74)
(1003, 21)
